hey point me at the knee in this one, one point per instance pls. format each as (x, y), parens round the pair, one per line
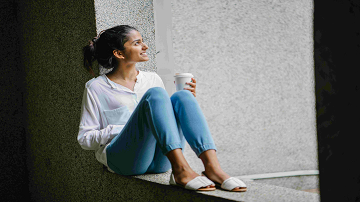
(156, 92)
(182, 96)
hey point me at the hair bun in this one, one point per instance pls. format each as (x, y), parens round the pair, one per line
(94, 40)
(89, 56)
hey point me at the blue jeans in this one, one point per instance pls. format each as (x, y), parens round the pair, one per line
(157, 126)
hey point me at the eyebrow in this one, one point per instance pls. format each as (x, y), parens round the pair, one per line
(135, 40)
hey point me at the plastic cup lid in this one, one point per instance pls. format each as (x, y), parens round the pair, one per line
(183, 75)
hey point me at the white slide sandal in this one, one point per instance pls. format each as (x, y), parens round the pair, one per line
(199, 183)
(231, 183)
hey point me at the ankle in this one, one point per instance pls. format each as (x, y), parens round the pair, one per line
(212, 167)
(210, 160)
(178, 161)
(180, 168)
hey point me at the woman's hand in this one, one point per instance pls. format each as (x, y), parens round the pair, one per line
(192, 88)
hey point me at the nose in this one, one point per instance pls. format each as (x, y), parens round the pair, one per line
(145, 46)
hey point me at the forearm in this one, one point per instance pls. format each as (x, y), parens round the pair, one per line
(91, 139)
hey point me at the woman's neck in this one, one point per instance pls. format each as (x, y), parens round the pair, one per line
(122, 73)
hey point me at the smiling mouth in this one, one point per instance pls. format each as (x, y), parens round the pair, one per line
(144, 54)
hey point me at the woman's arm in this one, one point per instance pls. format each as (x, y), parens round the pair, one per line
(91, 139)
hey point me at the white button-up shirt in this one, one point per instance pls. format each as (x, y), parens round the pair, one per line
(106, 107)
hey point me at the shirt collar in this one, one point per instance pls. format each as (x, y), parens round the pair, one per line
(139, 77)
(109, 82)
(113, 84)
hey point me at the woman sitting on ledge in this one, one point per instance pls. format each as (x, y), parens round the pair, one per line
(134, 127)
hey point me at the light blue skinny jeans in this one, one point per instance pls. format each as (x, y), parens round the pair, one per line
(157, 126)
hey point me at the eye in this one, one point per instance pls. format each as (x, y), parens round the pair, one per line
(138, 42)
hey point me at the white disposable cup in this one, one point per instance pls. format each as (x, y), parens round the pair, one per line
(181, 79)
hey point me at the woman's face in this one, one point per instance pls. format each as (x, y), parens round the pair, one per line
(135, 48)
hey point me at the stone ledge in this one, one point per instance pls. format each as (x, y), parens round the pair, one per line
(256, 191)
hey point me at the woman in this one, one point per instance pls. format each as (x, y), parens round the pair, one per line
(134, 127)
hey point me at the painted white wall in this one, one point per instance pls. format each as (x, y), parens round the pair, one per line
(163, 42)
(253, 62)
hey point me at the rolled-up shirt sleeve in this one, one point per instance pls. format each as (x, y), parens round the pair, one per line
(91, 136)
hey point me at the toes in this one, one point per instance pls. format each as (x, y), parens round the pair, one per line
(239, 189)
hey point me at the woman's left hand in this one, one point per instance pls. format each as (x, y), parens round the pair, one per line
(192, 88)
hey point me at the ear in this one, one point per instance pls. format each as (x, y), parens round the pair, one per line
(118, 54)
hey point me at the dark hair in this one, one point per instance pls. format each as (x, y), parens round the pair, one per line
(101, 48)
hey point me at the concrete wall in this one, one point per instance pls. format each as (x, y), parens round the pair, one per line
(254, 67)
(52, 36)
(139, 14)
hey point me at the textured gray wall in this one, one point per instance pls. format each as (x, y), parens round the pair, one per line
(253, 61)
(139, 14)
(52, 36)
